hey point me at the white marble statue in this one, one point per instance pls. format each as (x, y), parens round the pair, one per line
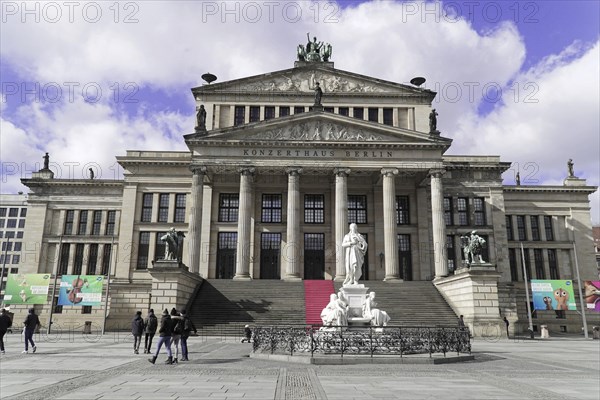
(378, 317)
(335, 313)
(355, 247)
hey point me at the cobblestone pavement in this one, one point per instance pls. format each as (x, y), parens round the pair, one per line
(71, 366)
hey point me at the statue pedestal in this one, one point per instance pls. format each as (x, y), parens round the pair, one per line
(465, 268)
(172, 285)
(355, 296)
(317, 107)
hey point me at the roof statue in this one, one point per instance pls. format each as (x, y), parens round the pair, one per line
(314, 50)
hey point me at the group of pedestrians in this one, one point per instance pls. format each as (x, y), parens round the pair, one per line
(174, 328)
(29, 325)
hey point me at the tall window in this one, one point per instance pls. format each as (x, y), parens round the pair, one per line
(92, 259)
(229, 204)
(106, 259)
(298, 110)
(284, 111)
(451, 252)
(404, 257)
(147, 207)
(13, 212)
(78, 262)
(512, 260)
(2, 211)
(388, 118)
(373, 114)
(527, 263)
(357, 209)
(462, 207)
(23, 212)
(254, 113)
(83, 217)
(143, 248)
(269, 112)
(479, 211)
(521, 232)
(402, 214)
(448, 211)
(96, 222)
(179, 208)
(271, 208)
(548, 227)
(554, 274)
(69, 222)
(159, 249)
(64, 259)
(110, 223)
(345, 111)
(16, 259)
(314, 209)
(509, 228)
(358, 113)
(239, 116)
(163, 207)
(535, 227)
(538, 258)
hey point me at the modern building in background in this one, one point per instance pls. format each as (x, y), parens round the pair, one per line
(270, 183)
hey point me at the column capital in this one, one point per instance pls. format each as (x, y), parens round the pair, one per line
(293, 171)
(389, 172)
(198, 169)
(436, 172)
(247, 171)
(342, 171)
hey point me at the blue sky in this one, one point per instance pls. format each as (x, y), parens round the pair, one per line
(88, 83)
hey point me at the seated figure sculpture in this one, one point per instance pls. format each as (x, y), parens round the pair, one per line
(335, 313)
(378, 317)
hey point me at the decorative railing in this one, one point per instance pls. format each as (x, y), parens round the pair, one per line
(391, 340)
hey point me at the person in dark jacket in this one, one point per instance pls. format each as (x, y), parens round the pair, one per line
(164, 332)
(150, 326)
(5, 323)
(137, 328)
(31, 322)
(188, 327)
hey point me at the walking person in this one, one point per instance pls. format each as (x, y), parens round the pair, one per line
(164, 332)
(31, 322)
(188, 327)
(177, 321)
(5, 323)
(247, 334)
(137, 328)
(507, 324)
(150, 326)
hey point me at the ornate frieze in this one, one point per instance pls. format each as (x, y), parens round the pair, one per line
(317, 130)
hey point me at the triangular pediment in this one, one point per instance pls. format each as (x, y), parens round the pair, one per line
(313, 127)
(302, 80)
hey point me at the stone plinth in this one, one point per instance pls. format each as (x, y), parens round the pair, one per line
(475, 267)
(43, 174)
(355, 296)
(473, 293)
(574, 181)
(172, 285)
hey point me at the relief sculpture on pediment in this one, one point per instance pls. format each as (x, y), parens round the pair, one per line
(317, 130)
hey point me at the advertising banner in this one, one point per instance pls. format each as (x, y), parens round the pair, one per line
(553, 295)
(592, 295)
(27, 289)
(80, 290)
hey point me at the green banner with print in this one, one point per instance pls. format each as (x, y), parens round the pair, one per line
(27, 289)
(552, 295)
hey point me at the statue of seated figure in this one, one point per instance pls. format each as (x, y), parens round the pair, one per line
(335, 313)
(378, 317)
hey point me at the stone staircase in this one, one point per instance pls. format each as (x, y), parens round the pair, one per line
(222, 306)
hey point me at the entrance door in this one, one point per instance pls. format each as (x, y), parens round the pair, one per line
(226, 249)
(314, 256)
(270, 251)
(365, 266)
(404, 257)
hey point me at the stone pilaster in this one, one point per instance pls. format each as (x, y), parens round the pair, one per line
(390, 244)
(195, 219)
(438, 225)
(292, 252)
(242, 270)
(341, 219)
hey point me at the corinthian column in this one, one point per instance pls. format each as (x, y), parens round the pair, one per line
(292, 254)
(195, 219)
(390, 235)
(437, 224)
(242, 270)
(341, 219)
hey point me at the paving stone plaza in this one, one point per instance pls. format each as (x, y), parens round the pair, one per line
(89, 367)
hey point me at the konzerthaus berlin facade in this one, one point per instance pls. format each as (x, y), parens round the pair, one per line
(268, 190)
